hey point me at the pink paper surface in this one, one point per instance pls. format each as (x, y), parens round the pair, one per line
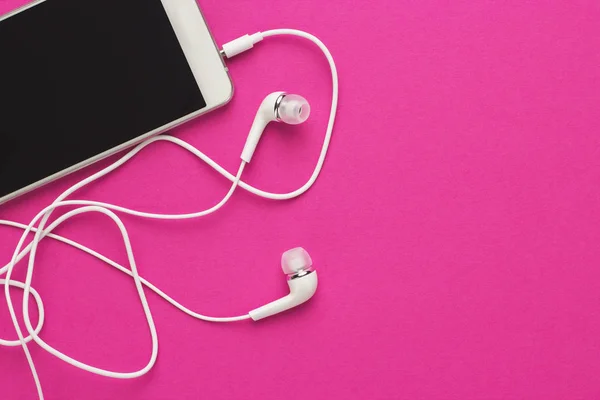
(455, 227)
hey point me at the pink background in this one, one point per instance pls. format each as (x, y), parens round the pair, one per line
(455, 226)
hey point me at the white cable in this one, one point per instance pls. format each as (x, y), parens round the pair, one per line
(110, 262)
(134, 274)
(41, 231)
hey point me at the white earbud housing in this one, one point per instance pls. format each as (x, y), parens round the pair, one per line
(278, 106)
(302, 280)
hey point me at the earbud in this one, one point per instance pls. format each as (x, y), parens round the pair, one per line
(279, 106)
(302, 280)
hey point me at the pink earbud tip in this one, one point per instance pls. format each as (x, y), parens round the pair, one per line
(294, 109)
(295, 260)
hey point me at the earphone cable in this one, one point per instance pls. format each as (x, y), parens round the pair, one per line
(41, 231)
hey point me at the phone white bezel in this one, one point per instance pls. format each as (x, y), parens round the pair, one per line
(204, 59)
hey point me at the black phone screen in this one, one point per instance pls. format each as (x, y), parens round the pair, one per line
(78, 78)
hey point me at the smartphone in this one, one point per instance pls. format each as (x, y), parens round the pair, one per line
(83, 79)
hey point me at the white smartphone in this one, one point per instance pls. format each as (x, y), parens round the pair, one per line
(83, 79)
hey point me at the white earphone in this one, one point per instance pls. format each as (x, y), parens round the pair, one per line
(296, 263)
(279, 106)
(302, 279)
